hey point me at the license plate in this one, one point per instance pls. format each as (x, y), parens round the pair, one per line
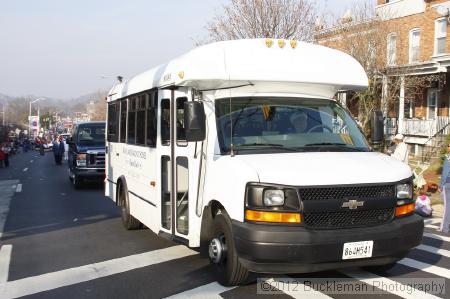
(357, 250)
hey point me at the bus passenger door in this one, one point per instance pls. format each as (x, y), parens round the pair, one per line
(179, 168)
(165, 166)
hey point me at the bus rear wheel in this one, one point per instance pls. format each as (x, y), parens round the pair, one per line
(223, 256)
(128, 221)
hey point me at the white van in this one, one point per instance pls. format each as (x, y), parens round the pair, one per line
(238, 148)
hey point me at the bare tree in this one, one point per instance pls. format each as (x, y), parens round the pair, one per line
(98, 109)
(288, 19)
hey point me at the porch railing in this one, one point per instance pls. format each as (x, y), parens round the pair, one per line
(426, 127)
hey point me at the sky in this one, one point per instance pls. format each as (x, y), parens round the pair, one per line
(62, 48)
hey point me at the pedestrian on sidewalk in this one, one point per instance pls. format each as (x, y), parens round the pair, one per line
(445, 191)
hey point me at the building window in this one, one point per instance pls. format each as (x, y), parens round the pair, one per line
(432, 103)
(414, 45)
(391, 49)
(440, 36)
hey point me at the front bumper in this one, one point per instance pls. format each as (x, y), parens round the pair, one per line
(295, 249)
(89, 173)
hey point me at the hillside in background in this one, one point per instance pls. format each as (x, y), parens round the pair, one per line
(17, 108)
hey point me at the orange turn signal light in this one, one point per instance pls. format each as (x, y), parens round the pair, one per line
(274, 217)
(404, 210)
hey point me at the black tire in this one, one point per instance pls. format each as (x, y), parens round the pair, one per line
(229, 271)
(128, 221)
(77, 182)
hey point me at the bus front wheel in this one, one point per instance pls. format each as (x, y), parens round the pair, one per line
(222, 254)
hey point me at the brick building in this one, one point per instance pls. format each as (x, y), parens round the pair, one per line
(410, 56)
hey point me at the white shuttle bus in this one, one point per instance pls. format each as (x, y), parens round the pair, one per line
(238, 148)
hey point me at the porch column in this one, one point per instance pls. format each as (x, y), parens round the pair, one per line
(401, 105)
(384, 95)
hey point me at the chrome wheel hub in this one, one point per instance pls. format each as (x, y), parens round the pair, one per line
(217, 250)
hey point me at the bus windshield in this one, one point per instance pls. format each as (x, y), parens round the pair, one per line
(91, 135)
(275, 124)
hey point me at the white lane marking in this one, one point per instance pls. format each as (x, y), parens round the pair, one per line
(432, 220)
(5, 257)
(443, 252)
(50, 281)
(19, 188)
(374, 280)
(425, 267)
(31, 161)
(438, 237)
(210, 290)
(25, 169)
(300, 291)
(433, 226)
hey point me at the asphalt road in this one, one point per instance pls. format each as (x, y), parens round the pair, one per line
(58, 242)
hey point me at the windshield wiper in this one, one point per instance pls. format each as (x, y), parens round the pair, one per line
(334, 144)
(267, 145)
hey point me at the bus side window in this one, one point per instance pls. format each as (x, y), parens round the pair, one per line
(113, 122)
(131, 121)
(165, 122)
(123, 120)
(181, 135)
(140, 119)
(152, 108)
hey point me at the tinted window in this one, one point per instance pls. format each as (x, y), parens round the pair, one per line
(131, 138)
(140, 119)
(123, 120)
(181, 136)
(165, 122)
(152, 108)
(113, 122)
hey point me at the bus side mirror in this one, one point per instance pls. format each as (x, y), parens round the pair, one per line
(377, 127)
(194, 121)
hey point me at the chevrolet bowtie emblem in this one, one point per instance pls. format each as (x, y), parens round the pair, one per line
(352, 204)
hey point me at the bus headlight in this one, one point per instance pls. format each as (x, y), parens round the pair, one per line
(81, 160)
(273, 198)
(404, 191)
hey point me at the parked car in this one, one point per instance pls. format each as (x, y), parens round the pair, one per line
(86, 155)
